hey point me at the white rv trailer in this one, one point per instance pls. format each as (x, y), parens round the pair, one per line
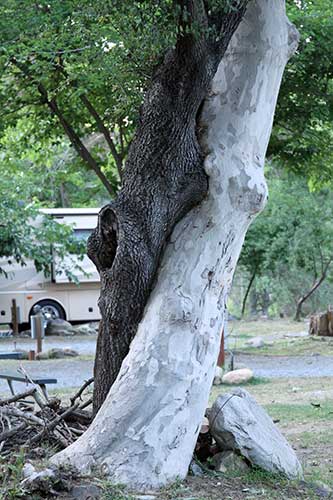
(58, 297)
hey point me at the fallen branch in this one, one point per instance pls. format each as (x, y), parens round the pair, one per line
(17, 397)
(23, 424)
(80, 391)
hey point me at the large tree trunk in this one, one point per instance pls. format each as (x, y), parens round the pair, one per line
(145, 432)
(163, 180)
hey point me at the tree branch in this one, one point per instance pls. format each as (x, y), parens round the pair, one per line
(102, 128)
(314, 287)
(99, 122)
(70, 132)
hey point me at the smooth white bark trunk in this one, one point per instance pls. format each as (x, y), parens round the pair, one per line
(145, 432)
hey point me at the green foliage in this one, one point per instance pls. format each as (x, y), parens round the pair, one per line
(290, 243)
(27, 235)
(11, 476)
(303, 135)
(115, 492)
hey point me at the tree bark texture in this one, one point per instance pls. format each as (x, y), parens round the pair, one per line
(145, 432)
(164, 178)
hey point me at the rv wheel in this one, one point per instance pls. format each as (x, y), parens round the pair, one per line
(50, 309)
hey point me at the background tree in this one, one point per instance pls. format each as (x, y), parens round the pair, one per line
(302, 134)
(290, 244)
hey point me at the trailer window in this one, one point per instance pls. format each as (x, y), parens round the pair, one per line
(82, 234)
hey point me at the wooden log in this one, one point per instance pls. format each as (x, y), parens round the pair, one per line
(322, 324)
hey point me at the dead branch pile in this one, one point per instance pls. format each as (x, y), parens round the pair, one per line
(29, 419)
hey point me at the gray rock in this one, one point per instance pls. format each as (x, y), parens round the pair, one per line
(256, 342)
(38, 480)
(58, 353)
(237, 422)
(86, 329)
(86, 492)
(28, 470)
(59, 327)
(40, 356)
(229, 461)
(195, 469)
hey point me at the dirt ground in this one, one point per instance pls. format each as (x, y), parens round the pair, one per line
(295, 389)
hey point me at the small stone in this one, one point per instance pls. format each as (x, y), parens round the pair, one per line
(257, 342)
(86, 492)
(58, 353)
(59, 327)
(40, 356)
(322, 489)
(204, 426)
(229, 461)
(240, 376)
(27, 470)
(145, 497)
(39, 480)
(195, 469)
(85, 329)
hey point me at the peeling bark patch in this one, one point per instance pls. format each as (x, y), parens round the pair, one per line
(242, 196)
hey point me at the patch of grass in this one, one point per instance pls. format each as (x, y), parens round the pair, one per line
(274, 332)
(174, 490)
(258, 381)
(115, 492)
(301, 412)
(221, 389)
(11, 475)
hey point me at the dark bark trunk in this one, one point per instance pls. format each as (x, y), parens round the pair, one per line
(164, 178)
(248, 291)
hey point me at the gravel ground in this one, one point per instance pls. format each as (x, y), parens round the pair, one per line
(83, 344)
(287, 366)
(68, 372)
(72, 372)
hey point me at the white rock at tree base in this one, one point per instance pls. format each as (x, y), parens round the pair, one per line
(256, 342)
(236, 377)
(237, 422)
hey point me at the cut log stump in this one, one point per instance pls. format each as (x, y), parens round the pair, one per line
(322, 324)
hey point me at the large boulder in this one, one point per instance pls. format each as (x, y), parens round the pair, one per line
(236, 377)
(86, 329)
(59, 327)
(237, 422)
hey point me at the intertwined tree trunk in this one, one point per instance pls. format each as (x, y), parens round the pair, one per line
(144, 433)
(163, 180)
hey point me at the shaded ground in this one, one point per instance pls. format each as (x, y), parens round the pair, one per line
(303, 410)
(297, 392)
